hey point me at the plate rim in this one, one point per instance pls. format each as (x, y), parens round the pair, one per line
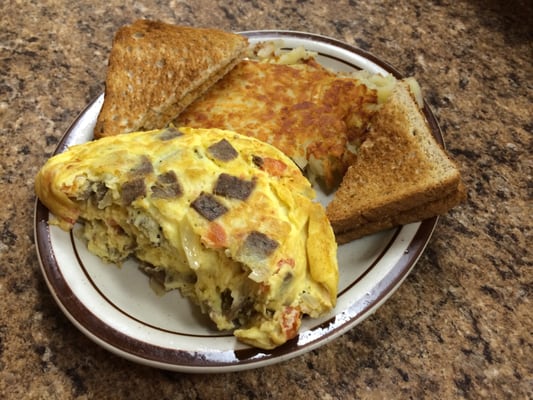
(185, 361)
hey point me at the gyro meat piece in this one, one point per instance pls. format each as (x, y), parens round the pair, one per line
(208, 206)
(233, 187)
(223, 150)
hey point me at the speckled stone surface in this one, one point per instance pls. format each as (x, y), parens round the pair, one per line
(460, 326)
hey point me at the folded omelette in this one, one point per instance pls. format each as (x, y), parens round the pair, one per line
(228, 220)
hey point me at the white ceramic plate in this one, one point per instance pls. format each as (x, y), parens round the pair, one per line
(117, 309)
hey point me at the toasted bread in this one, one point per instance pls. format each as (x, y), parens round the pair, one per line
(400, 174)
(156, 69)
(418, 213)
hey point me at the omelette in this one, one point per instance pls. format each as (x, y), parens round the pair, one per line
(226, 219)
(315, 116)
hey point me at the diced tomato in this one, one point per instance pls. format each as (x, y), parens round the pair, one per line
(114, 225)
(216, 236)
(288, 261)
(273, 166)
(264, 288)
(290, 321)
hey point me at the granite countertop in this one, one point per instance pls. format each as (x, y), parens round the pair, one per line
(460, 326)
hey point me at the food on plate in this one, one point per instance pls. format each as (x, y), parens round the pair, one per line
(315, 116)
(156, 69)
(333, 125)
(400, 173)
(228, 220)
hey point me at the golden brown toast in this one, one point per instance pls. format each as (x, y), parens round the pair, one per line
(400, 174)
(418, 213)
(156, 69)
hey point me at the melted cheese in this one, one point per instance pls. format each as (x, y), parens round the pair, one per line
(228, 220)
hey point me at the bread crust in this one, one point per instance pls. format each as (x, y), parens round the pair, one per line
(400, 174)
(418, 213)
(156, 69)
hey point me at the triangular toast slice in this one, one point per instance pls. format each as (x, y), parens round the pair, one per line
(400, 175)
(156, 69)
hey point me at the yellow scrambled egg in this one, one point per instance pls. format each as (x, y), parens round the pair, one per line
(228, 220)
